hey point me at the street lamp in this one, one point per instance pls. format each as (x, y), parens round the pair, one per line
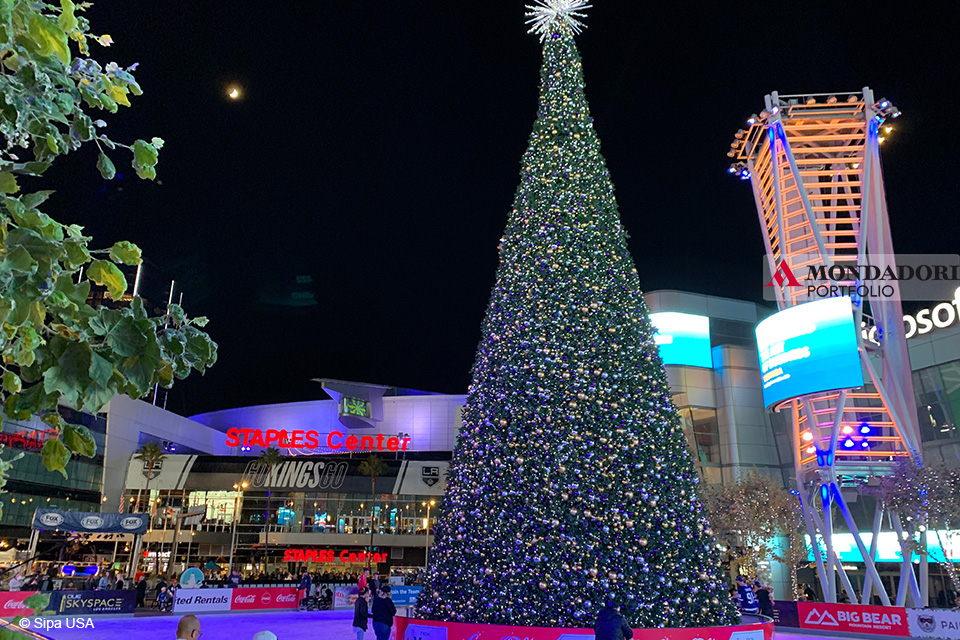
(236, 514)
(426, 525)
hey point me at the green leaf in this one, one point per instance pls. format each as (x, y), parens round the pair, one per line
(79, 440)
(77, 254)
(165, 375)
(35, 199)
(18, 259)
(145, 153)
(126, 338)
(38, 601)
(67, 19)
(105, 165)
(52, 143)
(107, 274)
(8, 183)
(145, 173)
(201, 321)
(55, 455)
(11, 382)
(71, 373)
(101, 370)
(125, 252)
(157, 143)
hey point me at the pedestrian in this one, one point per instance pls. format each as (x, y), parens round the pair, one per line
(375, 583)
(188, 628)
(16, 582)
(164, 599)
(764, 598)
(234, 580)
(362, 580)
(746, 599)
(383, 612)
(104, 584)
(610, 625)
(142, 592)
(361, 613)
(809, 593)
(304, 591)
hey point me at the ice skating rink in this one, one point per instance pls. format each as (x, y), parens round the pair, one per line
(288, 625)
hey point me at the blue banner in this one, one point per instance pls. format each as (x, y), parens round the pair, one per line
(55, 519)
(83, 603)
(404, 596)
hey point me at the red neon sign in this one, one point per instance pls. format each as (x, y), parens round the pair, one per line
(311, 440)
(329, 555)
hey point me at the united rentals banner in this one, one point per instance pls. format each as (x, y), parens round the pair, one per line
(55, 519)
(202, 600)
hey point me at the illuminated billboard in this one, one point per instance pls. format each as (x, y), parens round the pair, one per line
(809, 348)
(683, 338)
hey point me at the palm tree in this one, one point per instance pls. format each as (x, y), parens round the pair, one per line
(373, 466)
(270, 458)
(152, 455)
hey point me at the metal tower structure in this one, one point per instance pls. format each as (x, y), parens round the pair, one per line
(813, 162)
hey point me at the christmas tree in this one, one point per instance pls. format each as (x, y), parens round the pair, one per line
(571, 480)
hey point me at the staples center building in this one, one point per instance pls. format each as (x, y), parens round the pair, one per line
(318, 499)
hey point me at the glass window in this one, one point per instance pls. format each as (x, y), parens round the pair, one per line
(933, 404)
(703, 434)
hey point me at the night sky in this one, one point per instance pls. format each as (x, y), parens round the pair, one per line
(371, 166)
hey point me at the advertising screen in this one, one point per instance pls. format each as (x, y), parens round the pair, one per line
(808, 348)
(683, 338)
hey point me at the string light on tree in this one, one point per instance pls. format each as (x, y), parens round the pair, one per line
(571, 479)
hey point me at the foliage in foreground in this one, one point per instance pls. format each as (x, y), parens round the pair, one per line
(57, 348)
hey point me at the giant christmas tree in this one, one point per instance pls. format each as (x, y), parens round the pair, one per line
(571, 480)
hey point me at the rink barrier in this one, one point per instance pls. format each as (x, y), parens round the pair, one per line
(826, 618)
(415, 629)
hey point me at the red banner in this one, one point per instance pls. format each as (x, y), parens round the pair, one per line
(11, 603)
(853, 618)
(264, 598)
(412, 629)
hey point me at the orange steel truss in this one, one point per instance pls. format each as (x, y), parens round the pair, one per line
(813, 162)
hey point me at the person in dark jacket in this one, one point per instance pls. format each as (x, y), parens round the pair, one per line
(361, 613)
(610, 625)
(142, 592)
(383, 612)
(764, 599)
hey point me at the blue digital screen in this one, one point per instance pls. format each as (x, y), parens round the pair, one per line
(809, 348)
(683, 338)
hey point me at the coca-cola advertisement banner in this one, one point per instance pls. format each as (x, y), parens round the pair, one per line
(197, 600)
(853, 618)
(264, 598)
(11, 603)
(413, 629)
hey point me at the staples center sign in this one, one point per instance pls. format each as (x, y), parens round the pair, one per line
(853, 618)
(329, 555)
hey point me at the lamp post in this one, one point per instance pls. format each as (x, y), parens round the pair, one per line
(236, 515)
(426, 525)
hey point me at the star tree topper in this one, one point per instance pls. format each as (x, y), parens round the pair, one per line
(544, 14)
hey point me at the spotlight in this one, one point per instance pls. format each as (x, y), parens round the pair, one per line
(848, 443)
(807, 436)
(811, 449)
(846, 429)
(865, 429)
(884, 104)
(832, 100)
(811, 101)
(852, 99)
(752, 120)
(775, 111)
(865, 444)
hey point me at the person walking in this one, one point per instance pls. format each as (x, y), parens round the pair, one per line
(142, 592)
(746, 599)
(383, 612)
(764, 599)
(610, 625)
(361, 613)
